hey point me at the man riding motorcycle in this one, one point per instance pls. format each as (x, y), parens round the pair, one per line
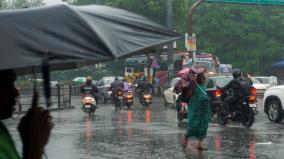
(115, 86)
(239, 89)
(89, 89)
(142, 87)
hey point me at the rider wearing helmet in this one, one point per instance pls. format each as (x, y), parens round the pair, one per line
(143, 86)
(236, 85)
(89, 88)
(115, 86)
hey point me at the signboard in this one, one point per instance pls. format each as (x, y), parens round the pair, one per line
(264, 2)
(225, 68)
(191, 42)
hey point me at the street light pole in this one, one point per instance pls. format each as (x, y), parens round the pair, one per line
(170, 45)
(189, 22)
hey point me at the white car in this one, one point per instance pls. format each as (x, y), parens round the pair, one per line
(260, 87)
(267, 81)
(169, 96)
(273, 101)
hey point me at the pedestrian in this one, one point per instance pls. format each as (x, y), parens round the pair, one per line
(199, 113)
(34, 128)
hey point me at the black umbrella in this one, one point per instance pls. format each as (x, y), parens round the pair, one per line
(65, 37)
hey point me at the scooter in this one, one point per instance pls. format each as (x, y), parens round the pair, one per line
(118, 99)
(128, 98)
(89, 105)
(146, 99)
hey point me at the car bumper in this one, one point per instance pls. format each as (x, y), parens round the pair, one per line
(254, 108)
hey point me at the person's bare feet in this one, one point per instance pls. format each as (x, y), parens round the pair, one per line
(184, 142)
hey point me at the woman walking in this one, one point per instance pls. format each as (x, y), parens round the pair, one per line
(198, 113)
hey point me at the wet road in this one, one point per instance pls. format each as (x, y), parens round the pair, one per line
(153, 134)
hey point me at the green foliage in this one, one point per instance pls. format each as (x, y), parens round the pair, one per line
(248, 36)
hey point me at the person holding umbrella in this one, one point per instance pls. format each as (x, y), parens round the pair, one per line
(198, 111)
(34, 128)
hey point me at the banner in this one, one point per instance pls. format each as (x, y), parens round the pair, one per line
(191, 43)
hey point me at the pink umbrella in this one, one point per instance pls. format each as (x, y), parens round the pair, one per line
(184, 73)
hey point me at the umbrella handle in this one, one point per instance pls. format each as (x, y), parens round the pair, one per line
(46, 79)
(35, 93)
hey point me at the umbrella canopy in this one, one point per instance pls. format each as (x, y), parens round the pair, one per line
(72, 36)
(79, 79)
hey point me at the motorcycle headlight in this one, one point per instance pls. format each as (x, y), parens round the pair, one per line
(147, 96)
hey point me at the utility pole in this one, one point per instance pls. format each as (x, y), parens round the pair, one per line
(170, 45)
(189, 22)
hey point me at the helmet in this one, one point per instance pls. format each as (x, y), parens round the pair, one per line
(89, 79)
(237, 73)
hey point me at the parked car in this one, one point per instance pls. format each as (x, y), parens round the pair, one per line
(267, 81)
(273, 101)
(170, 96)
(103, 86)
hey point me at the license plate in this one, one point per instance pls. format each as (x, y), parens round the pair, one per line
(129, 100)
(120, 97)
(147, 100)
(88, 106)
(253, 105)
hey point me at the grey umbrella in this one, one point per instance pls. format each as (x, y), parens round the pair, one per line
(64, 37)
(75, 35)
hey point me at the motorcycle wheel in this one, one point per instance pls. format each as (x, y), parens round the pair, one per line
(248, 118)
(222, 120)
(89, 112)
(128, 106)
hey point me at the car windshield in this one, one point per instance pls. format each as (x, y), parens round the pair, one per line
(109, 81)
(263, 80)
(255, 81)
(222, 81)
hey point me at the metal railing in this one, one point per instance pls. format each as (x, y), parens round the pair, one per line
(60, 97)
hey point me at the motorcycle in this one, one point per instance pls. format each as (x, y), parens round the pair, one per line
(118, 99)
(146, 99)
(128, 99)
(89, 105)
(242, 110)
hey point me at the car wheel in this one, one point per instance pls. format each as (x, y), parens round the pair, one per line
(165, 102)
(275, 111)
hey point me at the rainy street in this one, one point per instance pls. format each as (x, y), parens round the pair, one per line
(152, 134)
